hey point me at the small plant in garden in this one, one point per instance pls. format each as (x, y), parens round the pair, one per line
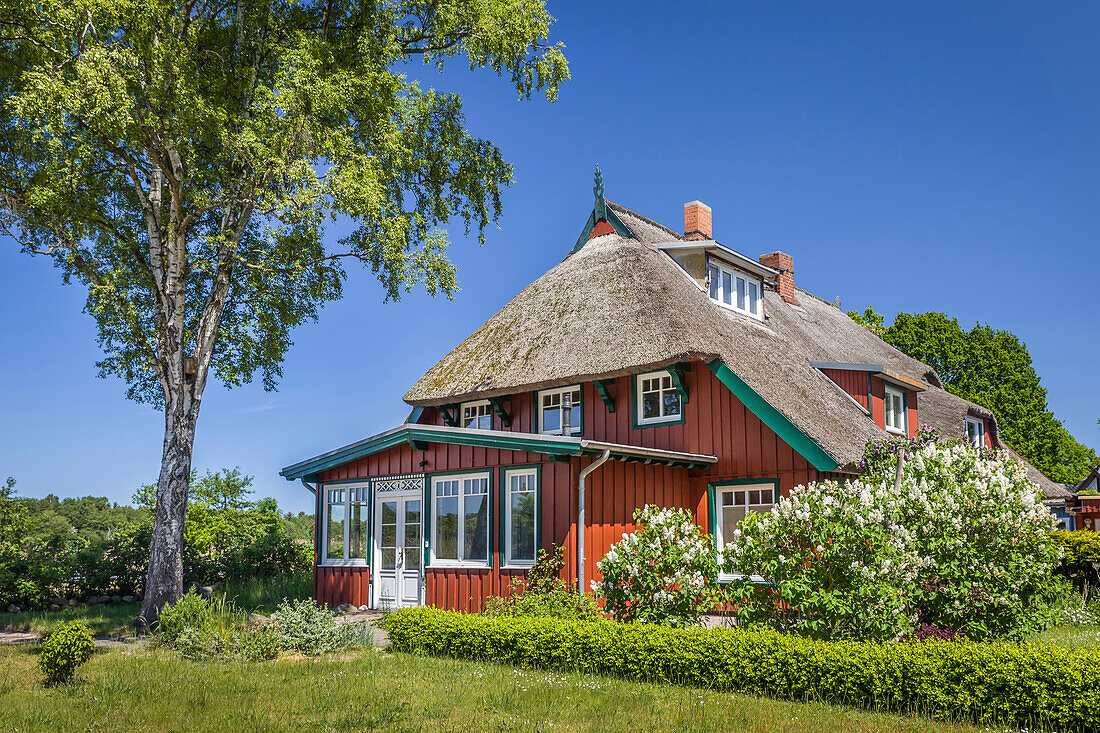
(192, 611)
(962, 546)
(543, 593)
(63, 650)
(303, 626)
(664, 573)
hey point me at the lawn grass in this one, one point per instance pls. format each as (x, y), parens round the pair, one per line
(115, 619)
(1074, 637)
(154, 689)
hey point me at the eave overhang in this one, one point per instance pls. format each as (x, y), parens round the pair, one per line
(712, 247)
(876, 369)
(418, 436)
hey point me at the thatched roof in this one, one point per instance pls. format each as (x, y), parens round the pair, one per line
(619, 306)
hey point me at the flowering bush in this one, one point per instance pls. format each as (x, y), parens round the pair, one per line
(663, 573)
(963, 546)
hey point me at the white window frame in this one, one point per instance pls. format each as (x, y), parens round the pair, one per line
(433, 561)
(719, 539)
(979, 438)
(902, 428)
(506, 514)
(576, 417)
(352, 493)
(481, 408)
(716, 271)
(639, 413)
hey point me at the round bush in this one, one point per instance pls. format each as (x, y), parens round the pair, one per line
(66, 648)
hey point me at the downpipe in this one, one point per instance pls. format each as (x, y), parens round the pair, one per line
(580, 516)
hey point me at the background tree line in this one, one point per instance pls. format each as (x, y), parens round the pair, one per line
(82, 546)
(992, 368)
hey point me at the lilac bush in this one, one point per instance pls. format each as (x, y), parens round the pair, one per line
(663, 573)
(963, 546)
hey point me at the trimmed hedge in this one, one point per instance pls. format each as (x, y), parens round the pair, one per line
(1023, 684)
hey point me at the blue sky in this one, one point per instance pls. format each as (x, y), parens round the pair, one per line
(931, 156)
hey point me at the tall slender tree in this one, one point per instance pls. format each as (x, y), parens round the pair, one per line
(181, 160)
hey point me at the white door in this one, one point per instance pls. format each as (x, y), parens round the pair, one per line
(398, 551)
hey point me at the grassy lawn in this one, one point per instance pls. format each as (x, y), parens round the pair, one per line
(1075, 637)
(107, 620)
(148, 689)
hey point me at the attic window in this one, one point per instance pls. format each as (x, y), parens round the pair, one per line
(975, 431)
(895, 410)
(658, 400)
(552, 404)
(477, 415)
(734, 289)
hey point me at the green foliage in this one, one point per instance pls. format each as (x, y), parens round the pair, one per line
(307, 628)
(1025, 685)
(993, 368)
(962, 545)
(543, 592)
(192, 611)
(63, 650)
(663, 573)
(1080, 561)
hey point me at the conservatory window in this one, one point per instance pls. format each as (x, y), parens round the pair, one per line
(552, 408)
(975, 431)
(347, 525)
(477, 415)
(733, 504)
(734, 289)
(895, 410)
(460, 519)
(658, 398)
(521, 515)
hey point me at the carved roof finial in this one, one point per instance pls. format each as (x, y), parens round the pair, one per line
(601, 207)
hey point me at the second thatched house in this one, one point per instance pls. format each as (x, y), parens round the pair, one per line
(649, 366)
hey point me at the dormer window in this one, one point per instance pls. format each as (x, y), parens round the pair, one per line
(734, 289)
(896, 418)
(556, 407)
(975, 431)
(477, 415)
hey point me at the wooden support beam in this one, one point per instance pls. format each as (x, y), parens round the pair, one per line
(449, 418)
(677, 374)
(498, 408)
(601, 387)
(558, 459)
(418, 445)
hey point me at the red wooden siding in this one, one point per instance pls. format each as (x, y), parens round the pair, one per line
(715, 423)
(855, 383)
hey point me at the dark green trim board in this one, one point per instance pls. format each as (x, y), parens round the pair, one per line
(712, 502)
(773, 418)
(601, 388)
(489, 543)
(414, 416)
(607, 215)
(634, 424)
(498, 408)
(676, 373)
(504, 470)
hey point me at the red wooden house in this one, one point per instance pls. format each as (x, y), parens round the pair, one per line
(649, 367)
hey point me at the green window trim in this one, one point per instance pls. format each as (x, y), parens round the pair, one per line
(536, 401)
(634, 424)
(790, 433)
(428, 529)
(712, 506)
(503, 488)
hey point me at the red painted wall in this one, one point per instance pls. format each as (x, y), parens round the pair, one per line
(716, 423)
(855, 383)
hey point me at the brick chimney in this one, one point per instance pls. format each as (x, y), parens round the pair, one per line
(697, 221)
(785, 264)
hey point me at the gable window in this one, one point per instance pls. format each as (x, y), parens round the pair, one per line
(732, 504)
(895, 410)
(734, 289)
(552, 404)
(975, 431)
(658, 399)
(477, 415)
(460, 519)
(346, 525)
(521, 516)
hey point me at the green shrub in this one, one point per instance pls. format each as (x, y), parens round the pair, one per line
(543, 593)
(1080, 561)
(1020, 684)
(305, 627)
(192, 611)
(63, 650)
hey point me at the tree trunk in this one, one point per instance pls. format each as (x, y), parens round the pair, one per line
(164, 583)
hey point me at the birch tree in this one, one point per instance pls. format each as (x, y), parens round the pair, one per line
(182, 161)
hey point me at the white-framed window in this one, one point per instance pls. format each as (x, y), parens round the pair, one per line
(732, 504)
(658, 398)
(460, 520)
(552, 413)
(975, 431)
(477, 415)
(346, 527)
(896, 419)
(734, 289)
(521, 516)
